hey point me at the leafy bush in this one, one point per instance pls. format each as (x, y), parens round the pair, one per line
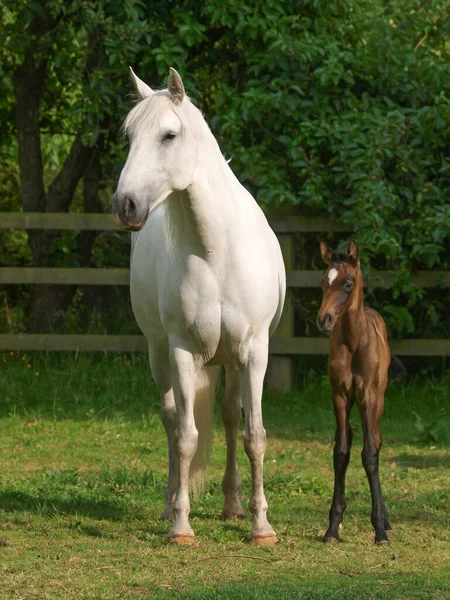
(337, 108)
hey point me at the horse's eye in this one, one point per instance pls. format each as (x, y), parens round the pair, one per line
(170, 135)
(348, 286)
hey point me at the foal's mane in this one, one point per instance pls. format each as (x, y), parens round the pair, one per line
(341, 256)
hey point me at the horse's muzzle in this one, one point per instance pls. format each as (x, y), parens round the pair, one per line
(130, 226)
(126, 213)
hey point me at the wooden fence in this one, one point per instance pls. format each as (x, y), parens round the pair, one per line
(283, 345)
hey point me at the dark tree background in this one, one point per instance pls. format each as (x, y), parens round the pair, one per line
(337, 108)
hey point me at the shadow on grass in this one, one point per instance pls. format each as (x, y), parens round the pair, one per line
(421, 462)
(339, 586)
(16, 501)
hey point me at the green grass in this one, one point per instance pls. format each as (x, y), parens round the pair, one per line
(83, 468)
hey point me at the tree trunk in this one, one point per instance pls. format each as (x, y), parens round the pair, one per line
(28, 80)
(92, 203)
(49, 301)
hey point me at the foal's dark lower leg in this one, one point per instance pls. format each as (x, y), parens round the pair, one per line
(370, 459)
(341, 457)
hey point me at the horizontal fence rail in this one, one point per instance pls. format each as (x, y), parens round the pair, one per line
(113, 276)
(64, 276)
(282, 346)
(138, 343)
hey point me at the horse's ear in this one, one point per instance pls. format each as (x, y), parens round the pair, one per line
(353, 253)
(142, 88)
(326, 252)
(175, 87)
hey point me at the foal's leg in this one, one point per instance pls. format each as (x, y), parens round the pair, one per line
(371, 411)
(184, 373)
(254, 436)
(341, 457)
(231, 415)
(159, 364)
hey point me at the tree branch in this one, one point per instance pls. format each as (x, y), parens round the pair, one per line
(62, 188)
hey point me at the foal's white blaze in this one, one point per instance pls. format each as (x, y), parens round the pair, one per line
(207, 287)
(332, 274)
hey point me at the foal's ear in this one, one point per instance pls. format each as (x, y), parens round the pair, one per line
(326, 252)
(142, 88)
(353, 253)
(175, 87)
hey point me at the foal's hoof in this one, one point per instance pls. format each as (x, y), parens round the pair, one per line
(232, 515)
(182, 540)
(383, 542)
(269, 539)
(329, 539)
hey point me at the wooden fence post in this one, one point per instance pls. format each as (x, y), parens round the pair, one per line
(280, 370)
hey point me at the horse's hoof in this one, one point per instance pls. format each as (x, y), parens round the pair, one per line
(231, 515)
(269, 539)
(329, 539)
(384, 542)
(181, 539)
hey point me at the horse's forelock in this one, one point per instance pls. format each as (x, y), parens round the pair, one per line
(150, 110)
(146, 112)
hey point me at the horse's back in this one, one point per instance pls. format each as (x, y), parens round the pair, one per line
(379, 342)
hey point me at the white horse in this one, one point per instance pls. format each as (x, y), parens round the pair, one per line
(207, 288)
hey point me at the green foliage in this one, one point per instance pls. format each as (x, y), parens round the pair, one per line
(398, 319)
(339, 108)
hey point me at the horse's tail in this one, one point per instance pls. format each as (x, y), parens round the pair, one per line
(203, 411)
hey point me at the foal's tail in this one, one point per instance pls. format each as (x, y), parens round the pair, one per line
(203, 411)
(397, 369)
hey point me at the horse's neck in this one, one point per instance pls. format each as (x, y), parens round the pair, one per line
(200, 216)
(353, 323)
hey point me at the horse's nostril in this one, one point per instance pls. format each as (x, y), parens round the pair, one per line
(130, 208)
(328, 320)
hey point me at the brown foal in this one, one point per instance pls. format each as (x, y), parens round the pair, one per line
(358, 370)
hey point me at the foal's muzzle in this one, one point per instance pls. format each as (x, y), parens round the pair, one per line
(325, 322)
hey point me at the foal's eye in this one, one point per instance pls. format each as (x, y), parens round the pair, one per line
(170, 135)
(348, 286)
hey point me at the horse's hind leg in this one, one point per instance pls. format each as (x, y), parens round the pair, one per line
(341, 457)
(159, 364)
(231, 415)
(371, 410)
(252, 376)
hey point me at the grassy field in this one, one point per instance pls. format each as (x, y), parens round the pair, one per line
(83, 468)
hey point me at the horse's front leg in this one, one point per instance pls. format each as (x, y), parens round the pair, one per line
(160, 367)
(231, 416)
(341, 457)
(254, 435)
(184, 373)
